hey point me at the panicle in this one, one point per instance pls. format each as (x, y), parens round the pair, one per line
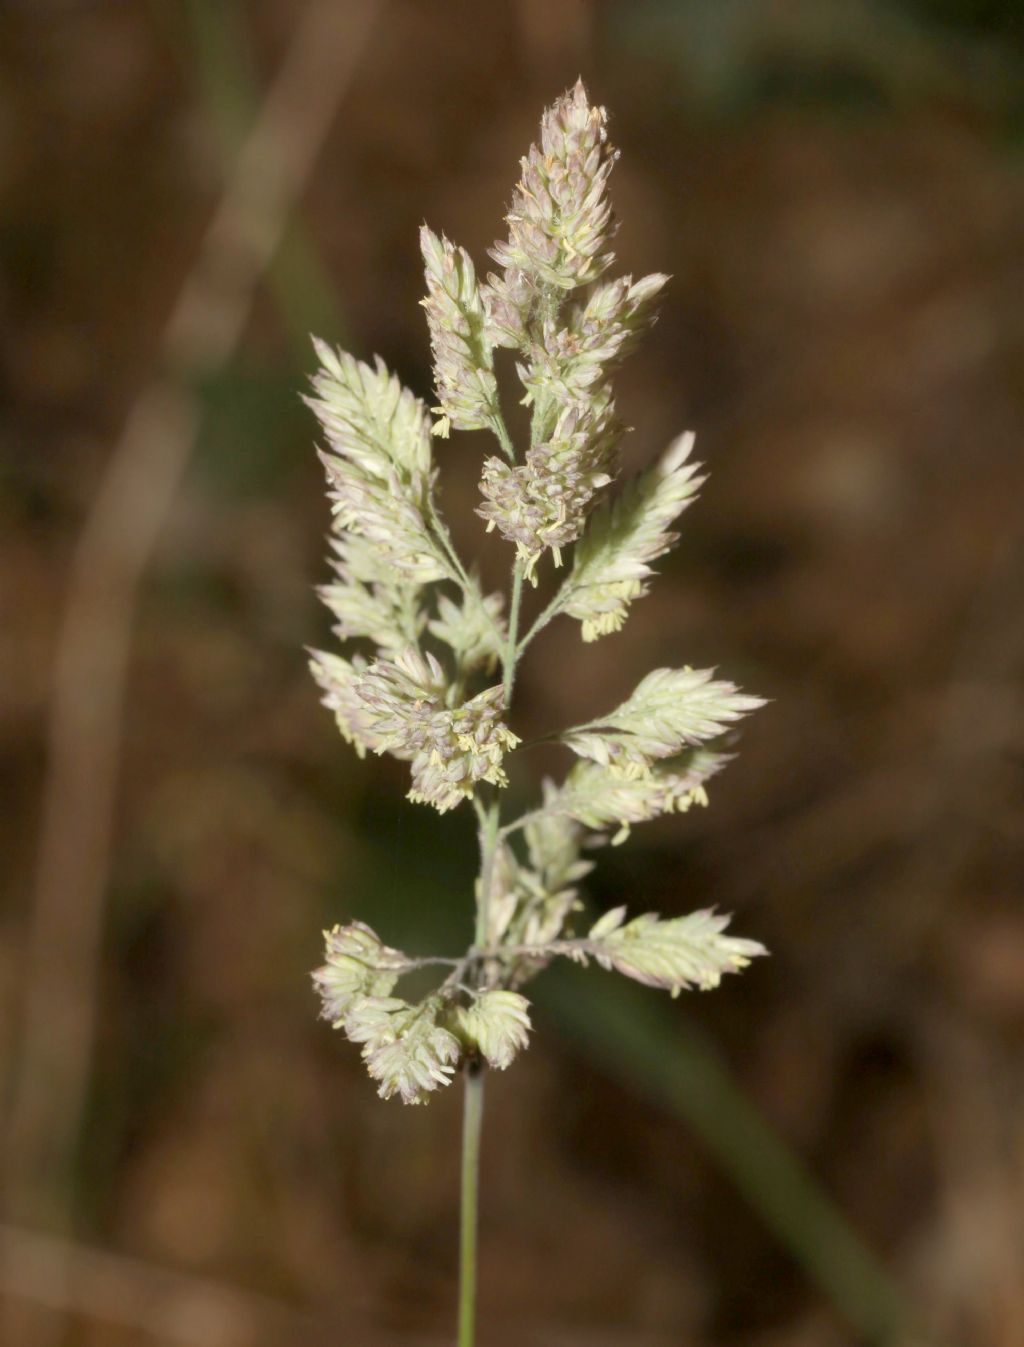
(650, 756)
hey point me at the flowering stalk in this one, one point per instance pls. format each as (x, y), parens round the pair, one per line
(434, 687)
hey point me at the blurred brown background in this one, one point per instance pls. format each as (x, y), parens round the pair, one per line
(828, 1151)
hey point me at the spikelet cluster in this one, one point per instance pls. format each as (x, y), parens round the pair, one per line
(472, 628)
(388, 553)
(560, 225)
(411, 1050)
(544, 504)
(668, 711)
(601, 797)
(430, 674)
(496, 1025)
(612, 565)
(357, 964)
(532, 899)
(378, 462)
(560, 219)
(406, 1050)
(684, 952)
(400, 706)
(467, 392)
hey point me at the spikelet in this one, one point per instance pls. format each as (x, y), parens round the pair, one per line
(463, 365)
(496, 1025)
(612, 564)
(683, 952)
(670, 709)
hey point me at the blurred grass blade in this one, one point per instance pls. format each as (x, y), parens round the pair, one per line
(224, 69)
(645, 1046)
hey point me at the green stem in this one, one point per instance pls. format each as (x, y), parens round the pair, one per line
(511, 647)
(458, 574)
(489, 817)
(517, 825)
(473, 1103)
(538, 418)
(504, 438)
(552, 610)
(444, 537)
(472, 1118)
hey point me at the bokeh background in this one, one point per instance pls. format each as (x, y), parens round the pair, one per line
(829, 1150)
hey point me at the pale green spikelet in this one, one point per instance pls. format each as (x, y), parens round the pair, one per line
(670, 709)
(544, 504)
(553, 842)
(560, 218)
(508, 302)
(598, 796)
(496, 1025)
(358, 964)
(366, 600)
(378, 462)
(676, 954)
(507, 886)
(467, 393)
(338, 679)
(612, 563)
(406, 1049)
(567, 363)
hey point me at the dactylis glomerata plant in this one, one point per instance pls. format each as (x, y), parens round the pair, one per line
(434, 687)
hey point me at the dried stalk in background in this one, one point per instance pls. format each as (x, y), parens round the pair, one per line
(107, 569)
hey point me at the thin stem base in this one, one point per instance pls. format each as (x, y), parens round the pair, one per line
(472, 1117)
